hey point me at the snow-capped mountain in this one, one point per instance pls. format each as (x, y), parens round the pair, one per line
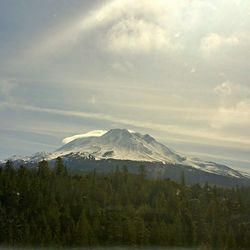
(121, 144)
(126, 145)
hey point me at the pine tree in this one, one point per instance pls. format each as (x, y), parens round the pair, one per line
(41, 208)
(43, 169)
(83, 231)
(60, 169)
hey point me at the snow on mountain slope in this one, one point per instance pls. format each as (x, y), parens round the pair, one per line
(122, 144)
(215, 168)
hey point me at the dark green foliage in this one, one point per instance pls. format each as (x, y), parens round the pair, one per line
(60, 169)
(49, 207)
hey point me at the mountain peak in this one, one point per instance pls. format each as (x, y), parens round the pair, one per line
(124, 144)
(125, 133)
(118, 132)
(119, 136)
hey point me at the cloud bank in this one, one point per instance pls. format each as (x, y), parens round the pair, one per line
(178, 69)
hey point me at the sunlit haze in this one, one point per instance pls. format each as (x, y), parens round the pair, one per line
(177, 70)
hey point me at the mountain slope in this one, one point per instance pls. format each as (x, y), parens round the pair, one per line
(125, 145)
(120, 144)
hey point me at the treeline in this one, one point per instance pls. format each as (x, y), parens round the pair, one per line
(50, 207)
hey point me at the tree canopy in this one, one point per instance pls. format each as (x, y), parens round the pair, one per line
(49, 207)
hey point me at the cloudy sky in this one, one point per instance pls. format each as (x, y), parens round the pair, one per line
(178, 70)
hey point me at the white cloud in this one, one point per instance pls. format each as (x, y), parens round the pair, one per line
(94, 133)
(234, 105)
(182, 33)
(136, 26)
(153, 11)
(225, 50)
(68, 35)
(197, 136)
(225, 88)
(236, 114)
(213, 42)
(137, 36)
(231, 92)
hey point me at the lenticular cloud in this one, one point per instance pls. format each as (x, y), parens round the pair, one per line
(94, 133)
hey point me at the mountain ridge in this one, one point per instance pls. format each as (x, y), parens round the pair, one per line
(126, 145)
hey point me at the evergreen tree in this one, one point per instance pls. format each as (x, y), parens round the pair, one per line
(43, 169)
(83, 231)
(60, 169)
(40, 207)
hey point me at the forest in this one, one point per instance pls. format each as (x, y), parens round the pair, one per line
(45, 206)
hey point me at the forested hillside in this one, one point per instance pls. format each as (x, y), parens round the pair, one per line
(50, 207)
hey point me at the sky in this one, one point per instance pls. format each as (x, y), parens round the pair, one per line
(178, 70)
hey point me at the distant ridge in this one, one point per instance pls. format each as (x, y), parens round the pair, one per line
(125, 145)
